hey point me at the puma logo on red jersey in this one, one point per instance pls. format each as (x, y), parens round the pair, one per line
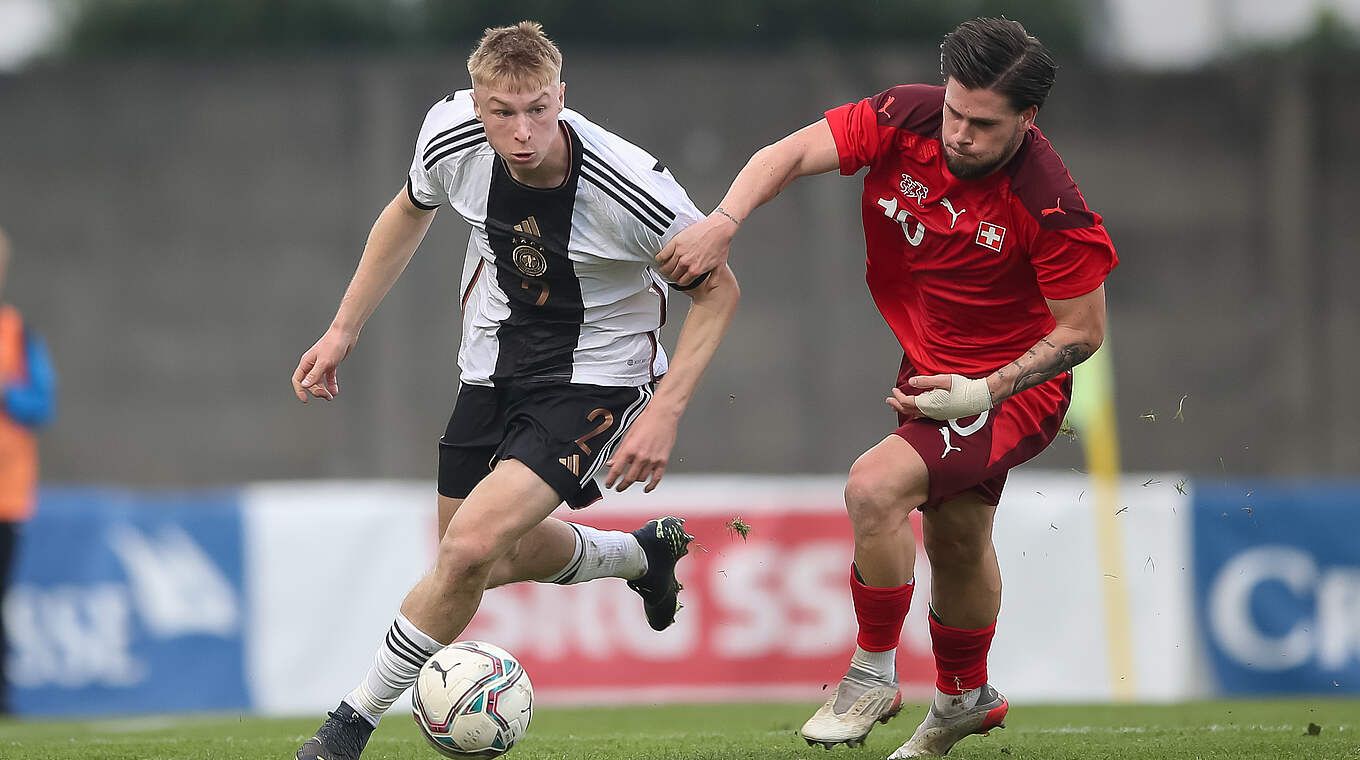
(953, 215)
(1057, 208)
(948, 446)
(883, 109)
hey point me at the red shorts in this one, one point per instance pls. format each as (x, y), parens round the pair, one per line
(973, 454)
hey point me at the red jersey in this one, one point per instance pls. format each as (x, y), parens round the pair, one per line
(960, 269)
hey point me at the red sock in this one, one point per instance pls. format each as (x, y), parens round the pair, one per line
(960, 656)
(880, 612)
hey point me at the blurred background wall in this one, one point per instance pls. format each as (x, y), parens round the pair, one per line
(186, 215)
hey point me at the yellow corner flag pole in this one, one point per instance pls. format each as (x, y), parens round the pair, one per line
(1092, 414)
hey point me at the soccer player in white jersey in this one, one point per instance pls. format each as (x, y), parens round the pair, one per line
(560, 361)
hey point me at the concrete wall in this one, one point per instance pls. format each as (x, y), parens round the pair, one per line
(184, 231)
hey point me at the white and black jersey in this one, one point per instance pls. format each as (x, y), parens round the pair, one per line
(559, 284)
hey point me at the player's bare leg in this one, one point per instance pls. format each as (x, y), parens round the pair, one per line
(541, 553)
(965, 579)
(505, 506)
(886, 483)
(965, 599)
(565, 553)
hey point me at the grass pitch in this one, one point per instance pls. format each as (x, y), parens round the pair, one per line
(1278, 730)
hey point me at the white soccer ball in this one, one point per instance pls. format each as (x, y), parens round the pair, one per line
(472, 699)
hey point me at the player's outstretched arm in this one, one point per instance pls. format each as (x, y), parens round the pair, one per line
(1079, 332)
(394, 239)
(646, 448)
(703, 246)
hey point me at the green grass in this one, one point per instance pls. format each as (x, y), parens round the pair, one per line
(1200, 731)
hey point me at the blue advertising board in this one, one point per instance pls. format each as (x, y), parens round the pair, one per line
(1277, 585)
(127, 602)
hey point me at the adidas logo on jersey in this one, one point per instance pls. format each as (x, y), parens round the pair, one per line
(530, 226)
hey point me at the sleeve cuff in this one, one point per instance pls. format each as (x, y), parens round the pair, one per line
(836, 118)
(1069, 290)
(411, 194)
(696, 282)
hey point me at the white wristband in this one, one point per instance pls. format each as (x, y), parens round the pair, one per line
(965, 397)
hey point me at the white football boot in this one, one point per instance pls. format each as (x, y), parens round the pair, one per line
(858, 702)
(941, 730)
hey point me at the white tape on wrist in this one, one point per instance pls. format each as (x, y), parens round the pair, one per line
(965, 398)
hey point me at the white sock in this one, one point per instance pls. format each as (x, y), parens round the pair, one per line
(881, 665)
(578, 556)
(950, 704)
(602, 554)
(395, 668)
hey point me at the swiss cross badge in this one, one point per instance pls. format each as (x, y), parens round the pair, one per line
(990, 236)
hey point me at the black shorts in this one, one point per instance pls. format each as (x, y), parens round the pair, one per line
(564, 432)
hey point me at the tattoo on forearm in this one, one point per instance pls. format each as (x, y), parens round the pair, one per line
(1048, 362)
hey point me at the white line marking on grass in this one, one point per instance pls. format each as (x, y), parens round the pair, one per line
(1214, 727)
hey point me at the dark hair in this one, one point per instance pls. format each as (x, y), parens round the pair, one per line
(998, 54)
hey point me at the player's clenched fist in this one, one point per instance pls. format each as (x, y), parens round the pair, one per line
(315, 373)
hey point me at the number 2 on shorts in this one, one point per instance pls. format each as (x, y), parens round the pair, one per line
(603, 426)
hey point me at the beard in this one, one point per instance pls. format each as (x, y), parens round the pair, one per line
(970, 168)
(977, 167)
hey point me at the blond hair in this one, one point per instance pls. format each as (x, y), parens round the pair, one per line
(519, 58)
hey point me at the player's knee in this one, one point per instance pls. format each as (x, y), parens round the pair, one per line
(876, 498)
(465, 556)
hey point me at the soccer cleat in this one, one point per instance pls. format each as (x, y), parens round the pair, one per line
(858, 702)
(938, 733)
(663, 541)
(341, 737)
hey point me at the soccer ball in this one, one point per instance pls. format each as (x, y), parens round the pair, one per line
(472, 699)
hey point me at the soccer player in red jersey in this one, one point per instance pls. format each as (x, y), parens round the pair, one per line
(989, 267)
